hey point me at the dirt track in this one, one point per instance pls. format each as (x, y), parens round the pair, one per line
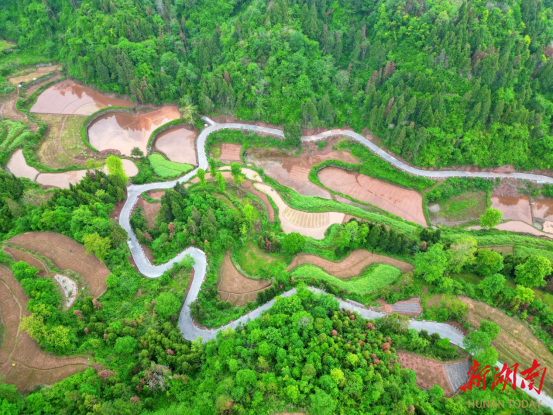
(66, 253)
(351, 266)
(404, 203)
(22, 363)
(236, 288)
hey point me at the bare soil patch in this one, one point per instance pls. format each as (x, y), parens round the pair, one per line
(432, 372)
(178, 144)
(515, 343)
(236, 288)
(513, 208)
(156, 194)
(23, 363)
(230, 152)
(150, 210)
(351, 266)
(502, 249)
(29, 74)
(458, 210)
(404, 203)
(66, 253)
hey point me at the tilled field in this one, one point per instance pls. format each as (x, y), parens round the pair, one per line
(515, 342)
(22, 363)
(404, 203)
(236, 288)
(351, 266)
(66, 253)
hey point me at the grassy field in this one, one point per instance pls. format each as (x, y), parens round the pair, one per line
(62, 145)
(375, 277)
(460, 209)
(71, 140)
(253, 259)
(165, 168)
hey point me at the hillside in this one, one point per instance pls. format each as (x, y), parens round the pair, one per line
(442, 83)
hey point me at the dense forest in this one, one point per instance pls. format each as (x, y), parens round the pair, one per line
(441, 82)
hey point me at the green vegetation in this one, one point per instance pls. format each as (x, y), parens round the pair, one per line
(463, 207)
(167, 169)
(13, 134)
(373, 278)
(253, 259)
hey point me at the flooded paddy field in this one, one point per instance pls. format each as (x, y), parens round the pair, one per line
(123, 132)
(19, 167)
(178, 144)
(69, 98)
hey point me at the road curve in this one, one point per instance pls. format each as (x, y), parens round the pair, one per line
(191, 331)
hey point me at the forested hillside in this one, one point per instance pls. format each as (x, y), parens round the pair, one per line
(441, 82)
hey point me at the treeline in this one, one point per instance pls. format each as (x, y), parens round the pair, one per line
(443, 83)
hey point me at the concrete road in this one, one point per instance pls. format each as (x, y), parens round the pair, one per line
(186, 324)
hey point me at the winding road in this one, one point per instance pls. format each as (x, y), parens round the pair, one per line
(191, 331)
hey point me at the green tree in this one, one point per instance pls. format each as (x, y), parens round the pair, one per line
(488, 262)
(221, 182)
(432, 264)
(137, 152)
(491, 218)
(292, 134)
(97, 245)
(462, 253)
(236, 172)
(491, 286)
(115, 167)
(293, 243)
(212, 166)
(201, 176)
(126, 345)
(167, 305)
(524, 294)
(533, 272)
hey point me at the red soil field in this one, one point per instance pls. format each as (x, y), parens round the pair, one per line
(236, 288)
(66, 253)
(429, 372)
(404, 203)
(67, 97)
(513, 208)
(22, 363)
(150, 210)
(351, 266)
(230, 152)
(293, 171)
